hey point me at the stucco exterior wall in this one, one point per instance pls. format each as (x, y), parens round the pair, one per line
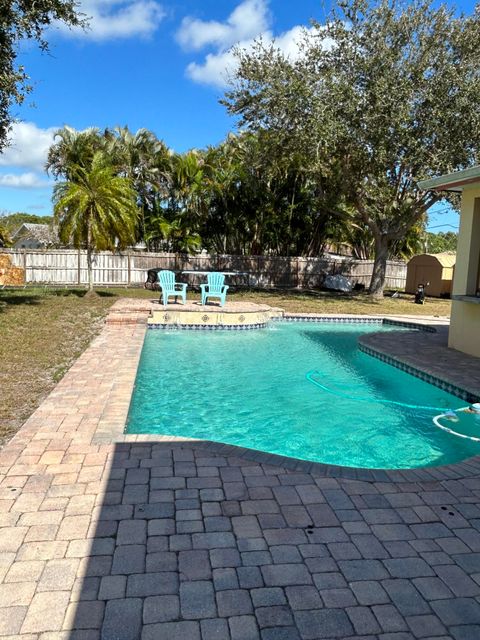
(464, 332)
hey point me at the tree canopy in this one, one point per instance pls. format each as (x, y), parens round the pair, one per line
(236, 197)
(441, 242)
(5, 239)
(382, 95)
(330, 147)
(13, 221)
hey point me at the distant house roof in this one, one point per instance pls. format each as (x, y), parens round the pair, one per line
(42, 233)
(452, 181)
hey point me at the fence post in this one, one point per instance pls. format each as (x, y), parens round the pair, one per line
(128, 269)
(79, 279)
(25, 264)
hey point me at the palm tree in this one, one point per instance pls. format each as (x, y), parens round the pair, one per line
(144, 159)
(95, 209)
(176, 236)
(73, 149)
(187, 184)
(136, 156)
(177, 216)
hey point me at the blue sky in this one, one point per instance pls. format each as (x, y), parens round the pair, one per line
(144, 63)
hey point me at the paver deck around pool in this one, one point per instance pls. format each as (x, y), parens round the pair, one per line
(122, 538)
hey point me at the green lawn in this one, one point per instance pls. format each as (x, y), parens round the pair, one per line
(42, 332)
(358, 303)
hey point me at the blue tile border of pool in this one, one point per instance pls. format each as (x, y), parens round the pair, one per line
(466, 468)
(327, 319)
(351, 320)
(207, 327)
(292, 318)
(410, 325)
(418, 373)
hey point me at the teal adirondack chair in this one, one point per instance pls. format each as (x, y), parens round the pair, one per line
(214, 288)
(170, 287)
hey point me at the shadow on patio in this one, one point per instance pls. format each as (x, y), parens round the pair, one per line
(190, 545)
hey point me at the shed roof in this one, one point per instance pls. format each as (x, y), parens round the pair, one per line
(446, 259)
(452, 181)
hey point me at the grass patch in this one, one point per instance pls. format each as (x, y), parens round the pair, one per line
(43, 331)
(354, 303)
(41, 334)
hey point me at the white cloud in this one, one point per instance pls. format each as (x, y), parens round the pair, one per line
(28, 150)
(29, 146)
(246, 21)
(28, 180)
(214, 70)
(217, 67)
(113, 19)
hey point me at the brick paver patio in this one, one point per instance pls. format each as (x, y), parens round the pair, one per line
(152, 539)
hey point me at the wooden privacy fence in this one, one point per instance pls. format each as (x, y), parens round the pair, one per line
(69, 267)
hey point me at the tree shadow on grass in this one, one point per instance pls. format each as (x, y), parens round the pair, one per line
(65, 293)
(17, 300)
(18, 297)
(360, 297)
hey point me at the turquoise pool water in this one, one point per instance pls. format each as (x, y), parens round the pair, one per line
(249, 388)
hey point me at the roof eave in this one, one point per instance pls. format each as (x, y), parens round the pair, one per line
(452, 181)
(17, 231)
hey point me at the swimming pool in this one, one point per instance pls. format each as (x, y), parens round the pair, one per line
(250, 389)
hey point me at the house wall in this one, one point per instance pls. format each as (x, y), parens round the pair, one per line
(27, 243)
(464, 332)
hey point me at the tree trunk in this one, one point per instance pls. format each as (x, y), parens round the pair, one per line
(89, 268)
(377, 283)
(89, 256)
